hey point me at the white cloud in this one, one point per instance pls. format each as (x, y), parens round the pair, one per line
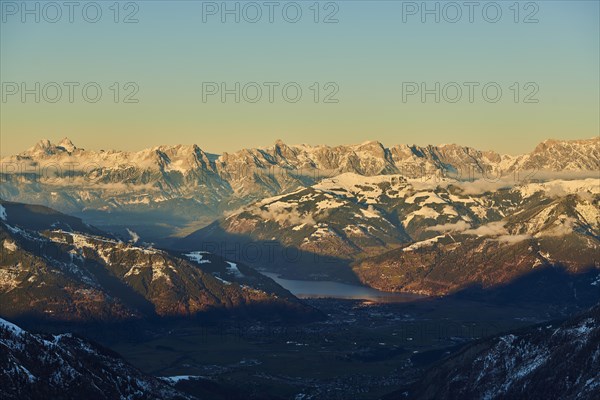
(456, 227)
(512, 238)
(134, 236)
(481, 186)
(491, 229)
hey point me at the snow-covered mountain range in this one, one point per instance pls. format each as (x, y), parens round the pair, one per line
(179, 184)
(401, 234)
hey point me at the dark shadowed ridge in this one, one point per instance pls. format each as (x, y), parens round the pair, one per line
(42, 367)
(559, 360)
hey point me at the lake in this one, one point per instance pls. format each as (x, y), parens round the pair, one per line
(336, 290)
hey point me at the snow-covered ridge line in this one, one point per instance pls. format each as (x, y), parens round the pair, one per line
(370, 189)
(372, 156)
(4, 324)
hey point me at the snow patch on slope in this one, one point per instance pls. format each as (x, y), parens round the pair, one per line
(234, 270)
(10, 245)
(197, 257)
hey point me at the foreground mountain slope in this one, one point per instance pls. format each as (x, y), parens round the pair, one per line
(67, 367)
(553, 361)
(69, 275)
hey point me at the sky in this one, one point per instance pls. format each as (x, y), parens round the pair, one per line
(362, 68)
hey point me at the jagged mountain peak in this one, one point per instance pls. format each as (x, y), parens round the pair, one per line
(45, 147)
(67, 144)
(43, 144)
(550, 144)
(42, 147)
(280, 143)
(562, 155)
(371, 143)
(594, 141)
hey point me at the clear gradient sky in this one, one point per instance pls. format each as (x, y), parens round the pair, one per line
(369, 53)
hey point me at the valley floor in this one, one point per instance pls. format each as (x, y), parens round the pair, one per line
(364, 350)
